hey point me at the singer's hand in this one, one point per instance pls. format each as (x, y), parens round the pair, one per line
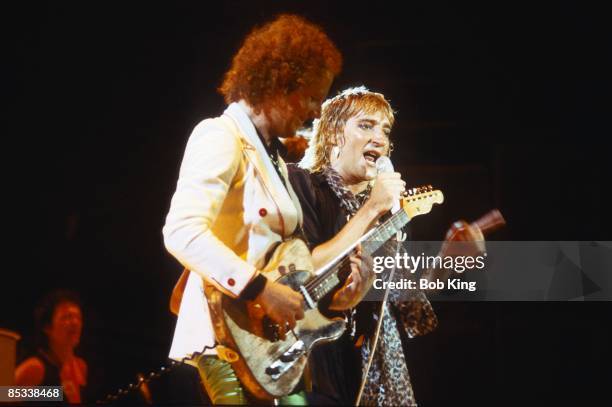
(356, 285)
(388, 188)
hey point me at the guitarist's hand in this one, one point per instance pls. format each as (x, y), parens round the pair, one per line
(460, 240)
(282, 305)
(463, 240)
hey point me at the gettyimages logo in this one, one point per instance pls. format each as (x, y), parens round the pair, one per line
(458, 264)
(507, 271)
(434, 272)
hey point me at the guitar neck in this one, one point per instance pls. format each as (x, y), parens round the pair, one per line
(325, 281)
(385, 231)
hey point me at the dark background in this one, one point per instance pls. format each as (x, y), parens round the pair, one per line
(501, 106)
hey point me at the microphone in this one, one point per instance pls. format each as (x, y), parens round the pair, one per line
(384, 164)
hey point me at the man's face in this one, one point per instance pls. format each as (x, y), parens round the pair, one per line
(291, 112)
(366, 137)
(66, 325)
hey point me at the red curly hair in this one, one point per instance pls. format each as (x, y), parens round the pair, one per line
(279, 58)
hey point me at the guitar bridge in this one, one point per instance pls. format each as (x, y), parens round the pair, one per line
(286, 360)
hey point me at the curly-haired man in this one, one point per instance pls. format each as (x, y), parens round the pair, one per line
(233, 201)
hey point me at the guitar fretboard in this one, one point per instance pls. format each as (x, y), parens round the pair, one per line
(328, 279)
(385, 231)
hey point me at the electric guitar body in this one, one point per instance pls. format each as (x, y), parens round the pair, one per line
(269, 367)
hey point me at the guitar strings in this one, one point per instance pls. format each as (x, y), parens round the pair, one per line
(319, 278)
(336, 266)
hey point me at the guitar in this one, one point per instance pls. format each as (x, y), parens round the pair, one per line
(271, 368)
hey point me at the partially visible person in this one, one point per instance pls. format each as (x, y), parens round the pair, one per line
(342, 197)
(340, 202)
(59, 323)
(233, 201)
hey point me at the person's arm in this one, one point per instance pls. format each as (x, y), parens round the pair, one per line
(388, 188)
(30, 372)
(386, 191)
(212, 158)
(457, 242)
(82, 366)
(360, 278)
(356, 227)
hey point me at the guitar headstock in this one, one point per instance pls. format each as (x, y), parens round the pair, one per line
(420, 200)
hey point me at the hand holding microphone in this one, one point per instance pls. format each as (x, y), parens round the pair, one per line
(388, 188)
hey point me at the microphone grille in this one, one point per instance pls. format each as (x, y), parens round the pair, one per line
(383, 164)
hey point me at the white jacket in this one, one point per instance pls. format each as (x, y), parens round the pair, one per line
(229, 207)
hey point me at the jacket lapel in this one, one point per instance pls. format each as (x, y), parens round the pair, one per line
(286, 203)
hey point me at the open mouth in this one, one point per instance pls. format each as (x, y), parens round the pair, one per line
(371, 156)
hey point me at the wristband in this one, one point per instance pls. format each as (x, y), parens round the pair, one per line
(253, 288)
